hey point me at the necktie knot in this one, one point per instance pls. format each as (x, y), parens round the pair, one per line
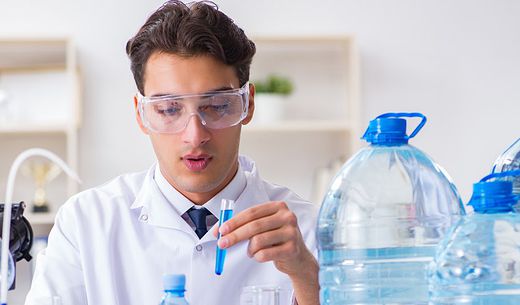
(198, 216)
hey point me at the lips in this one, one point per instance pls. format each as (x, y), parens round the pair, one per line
(195, 162)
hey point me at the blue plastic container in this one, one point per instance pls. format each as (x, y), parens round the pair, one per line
(479, 261)
(174, 290)
(509, 160)
(382, 218)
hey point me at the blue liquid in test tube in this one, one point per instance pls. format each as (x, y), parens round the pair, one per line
(226, 212)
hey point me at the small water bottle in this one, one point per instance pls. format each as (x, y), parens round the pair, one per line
(174, 290)
(478, 261)
(510, 160)
(382, 218)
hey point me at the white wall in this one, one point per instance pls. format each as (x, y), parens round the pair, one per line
(456, 61)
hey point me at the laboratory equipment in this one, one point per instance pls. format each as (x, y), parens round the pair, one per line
(174, 289)
(510, 160)
(383, 215)
(7, 239)
(216, 110)
(21, 239)
(226, 212)
(477, 262)
(265, 295)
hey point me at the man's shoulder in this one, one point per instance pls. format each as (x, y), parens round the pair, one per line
(123, 188)
(277, 192)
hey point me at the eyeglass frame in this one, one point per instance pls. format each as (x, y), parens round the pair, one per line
(242, 91)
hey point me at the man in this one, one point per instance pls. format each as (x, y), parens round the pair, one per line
(112, 244)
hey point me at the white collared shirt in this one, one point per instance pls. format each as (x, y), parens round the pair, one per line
(112, 244)
(182, 204)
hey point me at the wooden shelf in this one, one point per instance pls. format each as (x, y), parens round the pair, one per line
(19, 54)
(41, 80)
(40, 218)
(18, 128)
(319, 118)
(303, 126)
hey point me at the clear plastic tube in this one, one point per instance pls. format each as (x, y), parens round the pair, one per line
(226, 212)
(8, 205)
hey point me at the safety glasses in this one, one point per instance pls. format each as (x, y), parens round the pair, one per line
(216, 110)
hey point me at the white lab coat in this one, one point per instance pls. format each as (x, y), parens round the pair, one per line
(111, 245)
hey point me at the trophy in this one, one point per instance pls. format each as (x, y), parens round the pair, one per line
(42, 173)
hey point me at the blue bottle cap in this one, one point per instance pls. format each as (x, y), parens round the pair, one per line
(493, 197)
(390, 128)
(386, 131)
(174, 281)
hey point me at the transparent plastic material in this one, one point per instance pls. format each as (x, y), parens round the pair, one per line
(174, 290)
(379, 224)
(216, 110)
(173, 298)
(226, 212)
(510, 160)
(478, 261)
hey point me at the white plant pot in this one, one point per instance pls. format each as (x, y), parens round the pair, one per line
(269, 108)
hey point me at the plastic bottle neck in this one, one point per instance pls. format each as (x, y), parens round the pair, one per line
(492, 197)
(389, 144)
(175, 293)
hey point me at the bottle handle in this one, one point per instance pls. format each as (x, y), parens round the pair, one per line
(513, 173)
(407, 115)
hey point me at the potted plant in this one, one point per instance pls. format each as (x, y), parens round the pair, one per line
(269, 98)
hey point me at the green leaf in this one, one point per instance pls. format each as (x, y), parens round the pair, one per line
(274, 84)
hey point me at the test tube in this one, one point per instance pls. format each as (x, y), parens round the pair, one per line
(226, 212)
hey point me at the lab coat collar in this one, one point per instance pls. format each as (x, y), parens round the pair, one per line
(255, 192)
(231, 191)
(162, 213)
(155, 209)
(180, 203)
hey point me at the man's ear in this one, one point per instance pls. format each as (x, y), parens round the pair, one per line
(138, 117)
(251, 108)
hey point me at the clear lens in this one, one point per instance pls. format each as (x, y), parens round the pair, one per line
(171, 114)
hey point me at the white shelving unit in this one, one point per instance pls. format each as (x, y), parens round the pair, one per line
(39, 79)
(321, 120)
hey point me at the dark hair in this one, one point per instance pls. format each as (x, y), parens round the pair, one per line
(198, 28)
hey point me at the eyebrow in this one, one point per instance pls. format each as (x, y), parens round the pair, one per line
(220, 89)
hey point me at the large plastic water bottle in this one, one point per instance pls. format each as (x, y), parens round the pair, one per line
(382, 218)
(174, 290)
(510, 160)
(479, 260)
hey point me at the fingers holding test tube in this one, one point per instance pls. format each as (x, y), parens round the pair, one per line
(273, 234)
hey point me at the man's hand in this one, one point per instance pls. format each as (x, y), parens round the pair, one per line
(273, 234)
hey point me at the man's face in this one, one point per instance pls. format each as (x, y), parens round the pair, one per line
(197, 161)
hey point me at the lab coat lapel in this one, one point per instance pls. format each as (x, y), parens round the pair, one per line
(155, 209)
(255, 192)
